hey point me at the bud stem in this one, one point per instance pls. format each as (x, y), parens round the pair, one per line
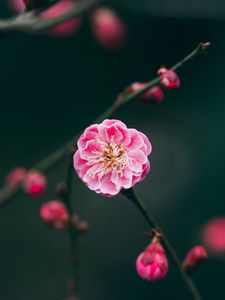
(132, 196)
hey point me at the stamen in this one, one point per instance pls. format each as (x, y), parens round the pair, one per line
(113, 157)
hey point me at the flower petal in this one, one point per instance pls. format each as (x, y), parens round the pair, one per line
(107, 186)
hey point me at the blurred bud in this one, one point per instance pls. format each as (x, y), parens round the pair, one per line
(194, 258)
(34, 183)
(75, 220)
(168, 78)
(18, 6)
(206, 46)
(134, 87)
(15, 176)
(65, 29)
(61, 189)
(152, 263)
(54, 213)
(79, 226)
(214, 235)
(108, 28)
(83, 227)
(154, 94)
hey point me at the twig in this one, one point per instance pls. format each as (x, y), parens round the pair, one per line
(131, 195)
(73, 233)
(43, 166)
(30, 22)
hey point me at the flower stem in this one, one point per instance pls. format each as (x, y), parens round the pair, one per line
(132, 196)
(54, 158)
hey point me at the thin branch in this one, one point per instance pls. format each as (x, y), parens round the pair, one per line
(30, 22)
(73, 235)
(54, 158)
(131, 195)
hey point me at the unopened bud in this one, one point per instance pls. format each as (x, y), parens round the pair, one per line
(83, 227)
(54, 213)
(108, 28)
(214, 235)
(152, 95)
(168, 78)
(206, 46)
(34, 183)
(79, 226)
(194, 258)
(15, 176)
(61, 189)
(152, 263)
(155, 94)
(64, 29)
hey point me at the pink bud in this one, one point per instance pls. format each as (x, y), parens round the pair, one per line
(16, 176)
(108, 28)
(62, 30)
(168, 78)
(152, 263)
(61, 189)
(17, 5)
(67, 28)
(214, 235)
(54, 212)
(194, 257)
(34, 183)
(154, 94)
(135, 86)
(206, 46)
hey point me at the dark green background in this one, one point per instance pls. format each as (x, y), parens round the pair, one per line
(50, 89)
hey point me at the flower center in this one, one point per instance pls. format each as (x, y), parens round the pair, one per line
(113, 157)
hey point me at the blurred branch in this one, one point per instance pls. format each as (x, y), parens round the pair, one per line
(73, 233)
(7, 192)
(31, 22)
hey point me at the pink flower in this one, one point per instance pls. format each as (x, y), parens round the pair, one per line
(194, 257)
(16, 176)
(152, 263)
(108, 28)
(168, 78)
(34, 183)
(214, 235)
(54, 212)
(111, 157)
(154, 94)
(62, 30)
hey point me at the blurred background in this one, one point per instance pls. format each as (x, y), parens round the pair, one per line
(51, 88)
